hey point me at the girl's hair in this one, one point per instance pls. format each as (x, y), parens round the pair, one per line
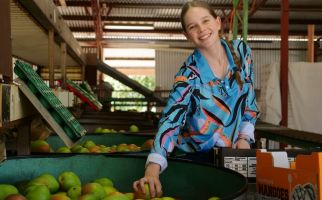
(205, 5)
(237, 62)
(190, 4)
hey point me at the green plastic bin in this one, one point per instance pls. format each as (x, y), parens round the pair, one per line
(106, 139)
(181, 180)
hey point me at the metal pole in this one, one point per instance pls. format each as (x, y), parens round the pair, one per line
(245, 20)
(235, 19)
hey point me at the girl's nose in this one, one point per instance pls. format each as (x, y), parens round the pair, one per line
(201, 28)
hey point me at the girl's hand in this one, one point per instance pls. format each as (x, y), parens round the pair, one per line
(242, 144)
(151, 177)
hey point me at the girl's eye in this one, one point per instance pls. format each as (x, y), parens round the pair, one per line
(191, 27)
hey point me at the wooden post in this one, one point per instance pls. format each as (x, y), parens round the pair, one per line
(284, 61)
(51, 55)
(310, 43)
(5, 41)
(3, 154)
(83, 72)
(23, 139)
(63, 63)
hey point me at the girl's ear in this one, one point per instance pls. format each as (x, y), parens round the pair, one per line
(218, 21)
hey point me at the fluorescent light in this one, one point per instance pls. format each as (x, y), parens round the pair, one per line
(129, 27)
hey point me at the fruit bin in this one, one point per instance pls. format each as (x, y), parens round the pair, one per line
(91, 124)
(182, 180)
(117, 120)
(107, 139)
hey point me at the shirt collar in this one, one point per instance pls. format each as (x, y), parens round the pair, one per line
(203, 66)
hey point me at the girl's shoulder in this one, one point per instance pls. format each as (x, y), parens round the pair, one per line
(241, 47)
(189, 68)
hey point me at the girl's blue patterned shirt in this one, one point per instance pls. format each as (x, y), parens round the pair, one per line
(203, 110)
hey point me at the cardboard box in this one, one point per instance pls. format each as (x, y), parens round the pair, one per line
(13, 104)
(244, 161)
(20, 106)
(5, 91)
(278, 178)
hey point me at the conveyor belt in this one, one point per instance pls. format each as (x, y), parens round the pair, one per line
(150, 95)
(297, 138)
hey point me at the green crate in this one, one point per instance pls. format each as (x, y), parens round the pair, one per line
(48, 99)
(85, 93)
(87, 87)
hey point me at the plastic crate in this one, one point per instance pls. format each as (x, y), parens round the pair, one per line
(87, 87)
(49, 101)
(84, 95)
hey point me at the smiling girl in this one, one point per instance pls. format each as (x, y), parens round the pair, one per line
(212, 103)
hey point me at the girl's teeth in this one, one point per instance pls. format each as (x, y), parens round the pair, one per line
(204, 37)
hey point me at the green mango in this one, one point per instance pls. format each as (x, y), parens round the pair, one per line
(6, 190)
(38, 192)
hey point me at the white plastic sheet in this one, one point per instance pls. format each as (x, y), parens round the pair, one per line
(305, 96)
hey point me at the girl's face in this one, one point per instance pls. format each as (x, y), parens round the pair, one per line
(201, 27)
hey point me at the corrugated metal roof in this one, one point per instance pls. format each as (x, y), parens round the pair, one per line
(164, 16)
(30, 40)
(167, 25)
(79, 23)
(72, 10)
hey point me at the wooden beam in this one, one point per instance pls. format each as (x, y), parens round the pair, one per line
(137, 71)
(96, 15)
(51, 55)
(23, 140)
(129, 58)
(5, 41)
(83, 73)
(110, 71)
(63, 53)
(90, 74)
(310, 43)
(284, 61)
